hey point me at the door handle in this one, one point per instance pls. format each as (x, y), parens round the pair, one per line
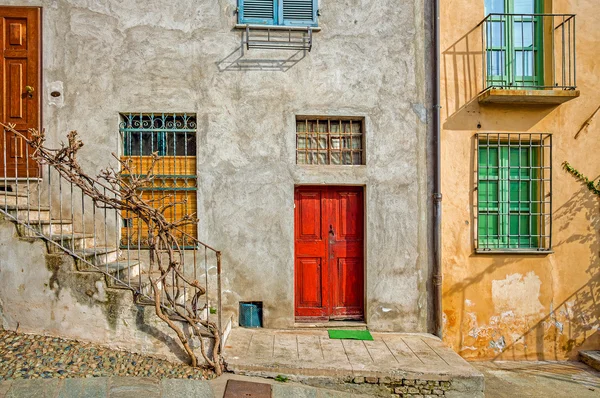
(331, 232)
(29, 91)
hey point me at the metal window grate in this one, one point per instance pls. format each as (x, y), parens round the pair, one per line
(279, 39)
(165, 134)
(513, 192)
(328, 141)
(172, 136)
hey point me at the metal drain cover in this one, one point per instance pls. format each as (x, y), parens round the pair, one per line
(247, 389)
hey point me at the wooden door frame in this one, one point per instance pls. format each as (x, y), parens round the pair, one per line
(38, 10)
(363, 189)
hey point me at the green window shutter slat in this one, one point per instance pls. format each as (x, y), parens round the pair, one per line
(299, 12)
(488, 195)
(258, 11)
(503, 188)
(488, 231)
(488, 162)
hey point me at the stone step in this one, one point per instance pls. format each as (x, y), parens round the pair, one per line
(148, 301)
(346, 325)
(406, 364)
(73, 242)
(27, 213)
(590, 358)
(185, 293)
(98, 256)
(46, 228)
(14, 199)
(125, 270)
(20, 185)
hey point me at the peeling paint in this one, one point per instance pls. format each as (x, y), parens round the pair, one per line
(498, 345)
(517, 293)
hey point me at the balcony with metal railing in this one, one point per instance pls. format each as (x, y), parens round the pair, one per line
(528, 58)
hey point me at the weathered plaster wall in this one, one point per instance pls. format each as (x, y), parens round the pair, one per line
(370, 59)
(518, 306)
(45, 294)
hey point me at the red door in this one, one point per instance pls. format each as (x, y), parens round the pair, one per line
(329, 261)
(19, 87)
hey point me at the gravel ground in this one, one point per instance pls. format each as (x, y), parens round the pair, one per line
(25, 356)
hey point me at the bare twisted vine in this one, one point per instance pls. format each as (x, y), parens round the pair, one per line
(113, 190)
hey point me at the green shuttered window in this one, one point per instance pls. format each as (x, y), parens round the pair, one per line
(513, 192)
(278, 12)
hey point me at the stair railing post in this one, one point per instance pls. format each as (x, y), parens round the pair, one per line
(219, 302)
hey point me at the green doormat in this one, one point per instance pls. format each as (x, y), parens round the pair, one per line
(350, 334)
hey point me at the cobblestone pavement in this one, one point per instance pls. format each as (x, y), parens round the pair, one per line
(31, 357)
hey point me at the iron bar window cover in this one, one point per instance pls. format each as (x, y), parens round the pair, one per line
(513, 177)
(277, 39)
(329, 141)
(172, 136)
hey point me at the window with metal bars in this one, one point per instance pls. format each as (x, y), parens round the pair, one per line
(514, 192)
(172, 136)
(278, 12)
(330, 141)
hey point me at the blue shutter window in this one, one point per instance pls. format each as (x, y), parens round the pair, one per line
(260, 12)
(299, 12)
(278, 12)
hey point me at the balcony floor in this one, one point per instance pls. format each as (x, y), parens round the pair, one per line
(526, 96)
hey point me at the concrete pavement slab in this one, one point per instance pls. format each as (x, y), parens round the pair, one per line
(38, 388)
(84, 388)
(4, 387)
(504, 379)
(133, 387)
(176, 388)
(288, 391)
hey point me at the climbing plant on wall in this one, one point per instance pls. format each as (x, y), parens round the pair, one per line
(593, 186)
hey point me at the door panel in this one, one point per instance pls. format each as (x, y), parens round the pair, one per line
(309, 218)
(329, 253)
(348, 299)
(20, 67)
(15, 79)
(347, 253)
(311, 263)
(309, 273)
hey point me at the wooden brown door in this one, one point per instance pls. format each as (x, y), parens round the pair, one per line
(20, 42)
(329, 261)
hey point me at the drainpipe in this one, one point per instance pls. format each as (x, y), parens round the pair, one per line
(437, 178)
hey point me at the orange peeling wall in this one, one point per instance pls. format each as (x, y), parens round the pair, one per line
(535, 307)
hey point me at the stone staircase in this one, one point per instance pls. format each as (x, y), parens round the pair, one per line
(34, 221)
(113, 271)
(590, 358)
